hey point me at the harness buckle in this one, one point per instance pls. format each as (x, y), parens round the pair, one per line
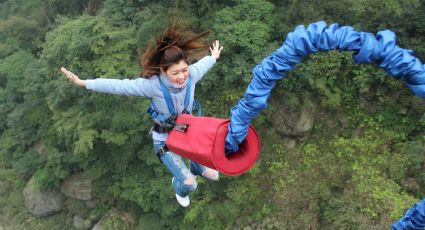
(172, 119)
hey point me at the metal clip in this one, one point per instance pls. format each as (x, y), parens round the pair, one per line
(171, 120)
(181, 127)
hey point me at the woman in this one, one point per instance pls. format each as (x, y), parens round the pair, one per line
(169, 81)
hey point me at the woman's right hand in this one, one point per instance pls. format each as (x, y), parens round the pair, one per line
(216, 49)
(73, 78)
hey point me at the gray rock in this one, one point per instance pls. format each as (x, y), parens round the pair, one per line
(78, 222)
(381, 100)
(403, 111)
(305, 122)
(118, 217)
(41, 203)
(411, 185)
(357, 133)
(41, 148)
(98, 226)
(92, 203)
(289, 143)
(296, 122)
(331, 123)
(342, 118)
(94, 217)
(87, 224)
(81, 223)
(78, 187)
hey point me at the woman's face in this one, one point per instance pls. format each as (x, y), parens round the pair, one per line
(178, 73)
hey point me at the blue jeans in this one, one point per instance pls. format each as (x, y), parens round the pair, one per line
(178, 168)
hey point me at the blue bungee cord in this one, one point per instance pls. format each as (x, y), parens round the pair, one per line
(381, 49)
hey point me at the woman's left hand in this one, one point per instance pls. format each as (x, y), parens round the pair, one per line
(215, 50)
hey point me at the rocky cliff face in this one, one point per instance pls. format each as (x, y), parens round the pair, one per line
(41, 203)
(293, 121)
(77, 187)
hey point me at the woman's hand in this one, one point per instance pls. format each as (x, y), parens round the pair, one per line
(215, 50)
(73, 78)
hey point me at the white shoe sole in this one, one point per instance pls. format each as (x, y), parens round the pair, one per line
(183, 201)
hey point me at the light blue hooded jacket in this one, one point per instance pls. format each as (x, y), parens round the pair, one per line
(151, 88)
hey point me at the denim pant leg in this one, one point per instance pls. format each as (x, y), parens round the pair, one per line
(196, 169)
(178, 168)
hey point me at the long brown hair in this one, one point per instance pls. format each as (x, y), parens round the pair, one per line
(170, 47)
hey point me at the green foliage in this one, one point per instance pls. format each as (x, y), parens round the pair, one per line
(201, 8)
(10, 189)
(9, 8)
(23, 113)
(152, 22)
(79, 42)
(69, 7)
(235, 26)
(21, 66)
(23, 24)
(57, 168)
(148, 221)
(18, 32)
(324, 74)
(28, 164)
(121, 12)
(116, 222)
(358, 178)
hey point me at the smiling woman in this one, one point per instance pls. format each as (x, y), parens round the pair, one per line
(177, 73)
(169, 81)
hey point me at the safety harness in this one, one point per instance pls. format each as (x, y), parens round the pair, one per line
(169, 123)
(202, 139)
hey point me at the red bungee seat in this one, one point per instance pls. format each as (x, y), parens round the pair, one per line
(204, 143)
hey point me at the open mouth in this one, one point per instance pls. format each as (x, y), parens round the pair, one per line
(181, 82)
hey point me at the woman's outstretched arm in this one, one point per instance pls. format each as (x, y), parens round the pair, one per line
(135, 87)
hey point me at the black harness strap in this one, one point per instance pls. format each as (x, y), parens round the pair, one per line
(161, 152)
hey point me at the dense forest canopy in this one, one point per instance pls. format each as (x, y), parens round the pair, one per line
(342, 144)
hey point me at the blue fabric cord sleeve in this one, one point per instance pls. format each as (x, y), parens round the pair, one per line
(413, 219)
(318, 36)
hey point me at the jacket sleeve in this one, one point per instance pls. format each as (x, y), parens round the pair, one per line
(200, 68)
(135, 87)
